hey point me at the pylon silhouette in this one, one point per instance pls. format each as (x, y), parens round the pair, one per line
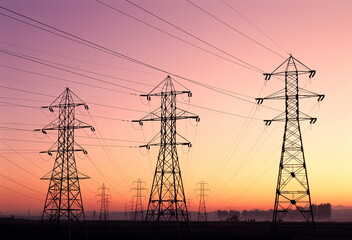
(63, 203)
(138, 214)
(292, 186)
(202, 210)
(104, 203)
(167, 178)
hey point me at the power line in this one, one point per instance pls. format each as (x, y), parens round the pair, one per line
(234, 29)
(47, 95)
(251, 67)
(266, 35)
(43, 62)
(111, 52)
(84, 70)
(75, 59)
(178, 38)
(63, 79)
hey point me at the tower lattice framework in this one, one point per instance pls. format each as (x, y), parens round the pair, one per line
(138, 214)
(104, 203)
(167, 201)
(202, 210)
(292, 189)
(63, 202)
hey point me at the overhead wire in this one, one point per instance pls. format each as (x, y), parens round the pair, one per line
(234, 29)
(256, 27)
(195, 37)
(75, 59)
(44, 62)
(111, 52)
(180, 39)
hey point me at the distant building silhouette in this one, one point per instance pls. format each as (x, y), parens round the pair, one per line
(322, 211)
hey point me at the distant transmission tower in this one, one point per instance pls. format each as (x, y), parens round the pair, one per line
(104, 203)
(167, 178)
(138, 214)
(63, 202)
(202, 211)
(292, 186)
(125, 214)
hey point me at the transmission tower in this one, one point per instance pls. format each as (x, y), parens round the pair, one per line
(104, 203)
(167, 178)
(138, 214)
(63, 202)
(292, 189)
(202, 211)
(125, 215)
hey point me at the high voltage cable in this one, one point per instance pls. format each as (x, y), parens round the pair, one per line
(266, 35)
(111, 158)
(65, 80)
(251, 67)
(77, 136)
(75, 59)
(111, 52)
(222, 112)
(20, 193)
(271, 166)
(90, 103)
(43, 62)
(180, 39)
(84, 70)
(125, 120)
(20, 184)
(105, 178)
(234, 29)
(84, 144)
(23, 169)
(268, 157)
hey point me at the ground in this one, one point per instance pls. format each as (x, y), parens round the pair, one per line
(11, 229)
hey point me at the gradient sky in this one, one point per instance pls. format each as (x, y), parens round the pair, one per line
(239, 158)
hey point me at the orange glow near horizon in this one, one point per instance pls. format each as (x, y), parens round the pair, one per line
(237, 156)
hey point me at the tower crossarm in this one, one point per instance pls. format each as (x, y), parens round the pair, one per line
(280, 95)
(282, 118)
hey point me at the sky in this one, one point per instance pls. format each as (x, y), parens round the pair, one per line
(231, 150)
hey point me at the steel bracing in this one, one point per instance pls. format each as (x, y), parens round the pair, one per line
(104, 203)
(63, 203)
(138, 214)
(202, 210)
(167, 201)
(292, 191)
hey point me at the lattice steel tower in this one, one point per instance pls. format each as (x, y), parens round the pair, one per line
(167, 200)
(202, 210)
(138, 214)
(292, 186)
(104, 203)
(63, 204)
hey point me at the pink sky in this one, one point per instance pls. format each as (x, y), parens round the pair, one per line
(315, 32)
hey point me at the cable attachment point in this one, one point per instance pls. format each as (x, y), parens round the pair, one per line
(92, 129)
(313, 120)
(259, 100)
(51, 109)
(189, 94)
(312, 73)
(86, 107)
(321, 97)
(267, 76)
(149, 98)
(268, 122)
(198, 119)
(140, 123)
(84, 152)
